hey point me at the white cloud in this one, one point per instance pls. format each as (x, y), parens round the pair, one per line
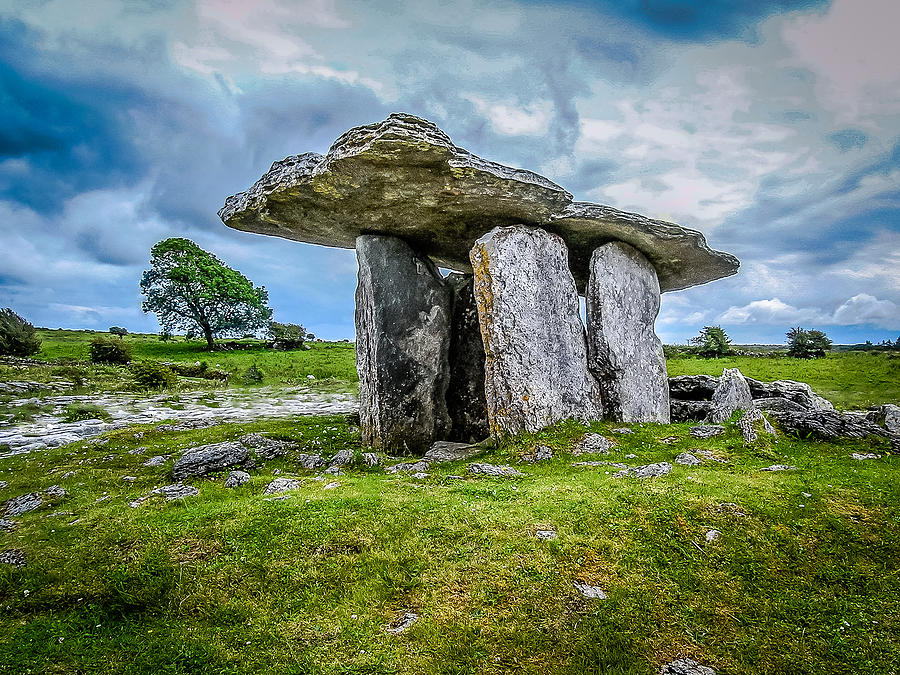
(867, 309)
(509, 119)
(858, 310)
(773, 311)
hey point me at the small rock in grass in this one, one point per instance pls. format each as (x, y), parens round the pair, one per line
(617, 465)
(448, 451)
(401, 624)
(157, 460)
(541, 453)
(334, 471)
(646, 471)
(341, 458)
(707, 430)
(137, 451)
(408, 467)
(779, 467)
(371, 459)
(129, 479)
(589, 592)
(22, 504)
(3, 484)
(7, 525)
(669, 440)
(864, 455)
(712, 535)
(687, 459)
(310, 462)
(685, 667)
(594, 444)
(176, 491)
(622, 430)
(205, 459)
(631, 455)
(806, 494)
(545, 535)
(14, 557)
(276, 472)
(493, 470)
(67, 474)
(331, 486)
(420, 475)
(281, 485)
(55, 491)
(236, 479)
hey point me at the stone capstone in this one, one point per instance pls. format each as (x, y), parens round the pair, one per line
(404, 177)
(466, 403)
(402, 339)
(534, 341)
(732, 393)
(624, 353)
(205, 459)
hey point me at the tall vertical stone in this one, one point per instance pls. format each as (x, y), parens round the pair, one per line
(466, 403)
(402, 339)
(536, 358)
(624, 353)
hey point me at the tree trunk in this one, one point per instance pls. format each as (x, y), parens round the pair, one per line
(207, 333)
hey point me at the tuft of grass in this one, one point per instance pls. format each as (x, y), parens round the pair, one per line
(76, 412)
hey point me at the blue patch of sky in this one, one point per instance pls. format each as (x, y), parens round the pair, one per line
(848, 139)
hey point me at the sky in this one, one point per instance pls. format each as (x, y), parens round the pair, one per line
(772, 126)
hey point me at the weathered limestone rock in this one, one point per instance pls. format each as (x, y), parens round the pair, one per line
(536, 354)
(624, 353)
(692, 387)
(280, 485)
(828, 424)
(205, 459)
(686, 411)
(686, 667)
(404, 177)
(752, 423)
(732, 394)
(887, 415)
(447, 451)
(236, 479)
(645, 471)
(402, 336)
(493, 470)
(798, 392)
(466, 403)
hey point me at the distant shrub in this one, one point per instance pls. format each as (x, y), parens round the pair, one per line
(165, 336)
(152, 375)
(712, 343)
(807, 344)
(109, 350)
(17, 336)
(287, 335)
(76, 412)
(74, 374)
(252, 375)
(196, 369)
(676, 351)
(118, 330)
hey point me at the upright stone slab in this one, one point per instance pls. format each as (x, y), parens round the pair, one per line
(624, 353)
(466, 403)
(536, 355)
(402, 338)
(732, 393)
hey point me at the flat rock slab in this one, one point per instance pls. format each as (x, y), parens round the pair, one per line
(686, 667)
(176, 491)
(707, 430)
(404, 177)
(205, 459)
(590, 592)
(493, 470)
(448, 451)
(22, 504)
(281, 485)
(646, 471)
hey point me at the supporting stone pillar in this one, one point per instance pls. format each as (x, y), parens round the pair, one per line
(536, 356)
(466, 403)
(625, 355)
(402, 338)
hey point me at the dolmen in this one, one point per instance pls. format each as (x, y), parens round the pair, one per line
(498, 346)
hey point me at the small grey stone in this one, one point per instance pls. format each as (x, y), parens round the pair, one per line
(541, 453)
(779, 467)
(3, 484)
(14, 557)
(752, 423)
(176, 491)
(310, 462)
(593, 444)
(67, 474)
(236, 479)
(371, 459)
(281, 485)
(22, 504)
(331, 486)
(545, 535)
(622, 430)
(616, 465)
(589, 592)
(493, 470)
(864, 455)
(129, 479)
(646, 471)
(420, 475)
(276, 472)
(341, 458)
(55, 491)
(447, 451)
(687, 459)
(402, 623)
(205, 459)
(157, 460)
(685, 667)
(712, 535)
(707, 430)
(7, 525)
(630, 455)
(408, 467)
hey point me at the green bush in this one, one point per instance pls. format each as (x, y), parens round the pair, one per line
(17, 336)
(807, 344)
(152, 375)
(110, 350)
(196, 369)
(287, 335)
(712, 343)
(252, 375)
(118, 330)
(77, 412)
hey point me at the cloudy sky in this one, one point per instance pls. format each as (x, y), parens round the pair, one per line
(773, 126)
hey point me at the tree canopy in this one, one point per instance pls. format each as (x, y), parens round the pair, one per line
(712, 342)
(807, 344)
(191, 289)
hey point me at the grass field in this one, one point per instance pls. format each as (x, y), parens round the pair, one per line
(805, 578)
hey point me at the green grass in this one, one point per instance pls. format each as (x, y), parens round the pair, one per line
(847, 379)
(229, 582)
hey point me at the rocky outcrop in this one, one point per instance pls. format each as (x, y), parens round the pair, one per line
(402, 339)
(888, 416)
(466, 403)
(624, 353)
(796, 392)
(205, 459)
(828, 424)
(753, 423)
(404, 177)
(536, 354)
(732, 393)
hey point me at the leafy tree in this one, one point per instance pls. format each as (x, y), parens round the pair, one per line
(118, 330)
(807, 344)
(288, 335)
(191, 289)
(17, 336)
(109, 350)
(712, 342)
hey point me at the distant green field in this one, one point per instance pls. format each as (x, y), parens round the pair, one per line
(847, 379)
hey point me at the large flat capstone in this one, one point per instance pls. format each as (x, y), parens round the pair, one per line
(404, 177)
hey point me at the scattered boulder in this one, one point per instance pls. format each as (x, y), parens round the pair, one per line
(311, 462)
(624, 352)
(594, 444)
(481, 469)
(732, 393)
(176, 491)
(707, 430)
(448, 451)
(685, 667)
(157, 460)
(205, 459)
(540, 454)
(266, 448)
(646, 471)
(14, 557)
(545, 535)
(402, 623)
(371, 459)
(536, 369)
(341, 458)
(236, 479)
(864, 455)
(687, 459)
(281, 485)
(752, 423)
(22, 504)
(589, 592)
